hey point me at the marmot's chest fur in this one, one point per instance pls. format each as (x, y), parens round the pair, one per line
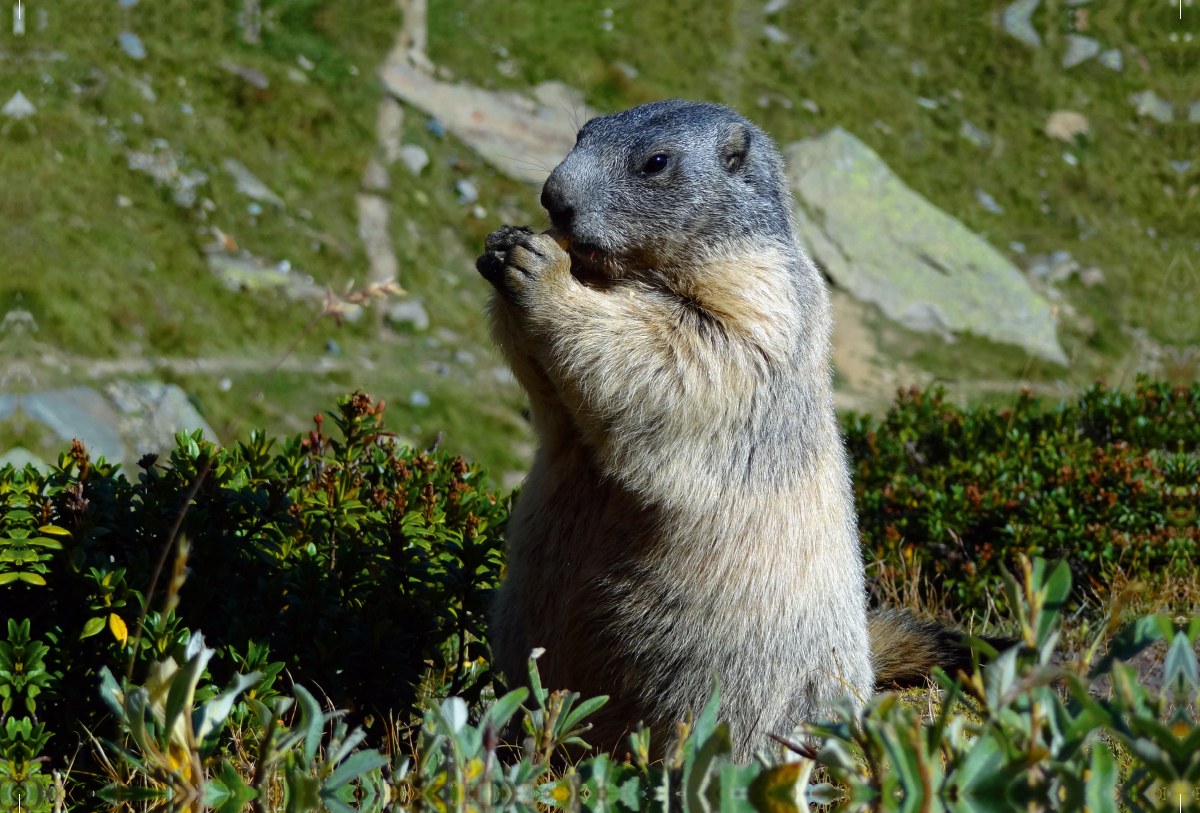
(689, 507)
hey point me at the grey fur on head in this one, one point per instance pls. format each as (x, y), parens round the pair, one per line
(672, 175)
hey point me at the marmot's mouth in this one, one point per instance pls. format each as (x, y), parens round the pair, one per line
(589, 261)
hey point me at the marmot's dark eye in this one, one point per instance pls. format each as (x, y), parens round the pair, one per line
(655, 163)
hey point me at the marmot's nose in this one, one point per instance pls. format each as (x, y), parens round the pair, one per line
(555, 202)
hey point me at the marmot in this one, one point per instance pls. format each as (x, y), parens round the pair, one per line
(690, 505)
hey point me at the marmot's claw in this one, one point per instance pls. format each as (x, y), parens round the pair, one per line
(505, 237)
(491, 266)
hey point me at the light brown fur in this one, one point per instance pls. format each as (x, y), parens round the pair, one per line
(635, 415)
(689, 509)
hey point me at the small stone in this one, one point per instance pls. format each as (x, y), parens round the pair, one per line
(1079, 49)
(1181, 166)
(463, 357)
(928, 104)
(1149, 104)
(296, 75)
(131, 44)
(1194, 113)
(373, 214)
(418, 399)
(810, 106)
(331, 347)
(434, 126)
(973, 134)
(1055, 268)
(1091, 277)
(414, 157)
(249, 184)
(254, 210)
(256, 78)
(123, 201)
(389, 127)
(774, 7)
(1111, 59)
(186, 109)
(774, 34)
(144, 88)
(411, 313)
(503, 375)
(511, 479)
(1066, 124)
(1018, 22)
(225, 385)
(304, 63)
(508, 68)
(988, 202)
(18, 107)
(467, 193)
(478, 212)
(627, 69)
(375, 176)
(1017, 248)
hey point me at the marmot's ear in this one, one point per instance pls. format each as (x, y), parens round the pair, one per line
(735, 148)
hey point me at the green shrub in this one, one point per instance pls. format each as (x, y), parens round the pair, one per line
(362, 568)
(1021, 734)
(955, 496)
(363, 571)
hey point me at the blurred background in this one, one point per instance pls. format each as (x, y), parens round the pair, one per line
(1001, 194)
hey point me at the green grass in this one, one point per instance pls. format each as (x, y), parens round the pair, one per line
(864, 67)
(119, 283)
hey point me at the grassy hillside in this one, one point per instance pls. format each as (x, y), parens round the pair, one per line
(115, 274)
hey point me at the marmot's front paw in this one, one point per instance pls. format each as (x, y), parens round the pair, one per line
(517, 260)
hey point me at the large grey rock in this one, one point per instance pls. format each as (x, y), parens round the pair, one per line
(523, 138)
(130, 419)
(150, 413)
(886, 244)
(19, 457)
(78, 413)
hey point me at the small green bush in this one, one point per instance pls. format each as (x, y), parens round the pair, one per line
(954, 496)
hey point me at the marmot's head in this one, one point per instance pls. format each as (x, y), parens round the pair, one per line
(668, 184)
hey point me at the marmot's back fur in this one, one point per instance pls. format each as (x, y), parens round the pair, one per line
(689, 507)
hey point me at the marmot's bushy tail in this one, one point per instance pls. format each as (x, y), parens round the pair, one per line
(904, 649)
